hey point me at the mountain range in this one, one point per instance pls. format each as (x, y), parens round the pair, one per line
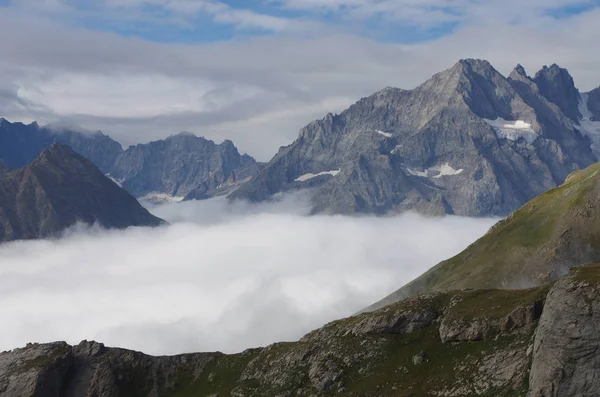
(468, 141)
(59, 189)
(170, 169)
(516, 313)
(450, 333)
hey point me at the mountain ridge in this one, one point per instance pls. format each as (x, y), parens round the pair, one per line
(59, 189)
(534, 245)
(200, 168)
(500, 141)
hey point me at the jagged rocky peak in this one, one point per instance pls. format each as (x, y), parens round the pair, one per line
(182, 166)
(422, 149)
(519, 70)
(557, 85)
(593, 104)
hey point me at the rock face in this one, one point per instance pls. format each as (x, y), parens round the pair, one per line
(535, 245)
(557, 85)
(58, 189)
(566, 359)
(182, 165)
(468, 141)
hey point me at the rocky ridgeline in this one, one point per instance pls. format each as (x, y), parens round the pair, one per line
(473, 342)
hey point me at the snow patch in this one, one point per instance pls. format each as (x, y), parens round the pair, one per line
(161, 198)
(436, 172)
(385, 134)
(117, 181)
(308, 176)
(513, 130)
(587, 126)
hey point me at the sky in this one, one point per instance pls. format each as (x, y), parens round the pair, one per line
(256, 71)
(221, 277)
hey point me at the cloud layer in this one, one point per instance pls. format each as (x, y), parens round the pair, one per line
(227, 278)
(260, 90)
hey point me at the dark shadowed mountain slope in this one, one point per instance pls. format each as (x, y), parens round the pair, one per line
(557, 85)
(536, 244)
(468, 141)
(58, 189)
(182, 165)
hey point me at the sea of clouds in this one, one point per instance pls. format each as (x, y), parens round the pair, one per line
(219, 277)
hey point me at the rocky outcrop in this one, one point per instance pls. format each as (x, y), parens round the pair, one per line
(566, 353)
(468, 141)
(594, 103)
(557, 85)
(59, 189)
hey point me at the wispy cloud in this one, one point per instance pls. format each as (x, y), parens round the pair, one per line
(220, 278)
(185, 13)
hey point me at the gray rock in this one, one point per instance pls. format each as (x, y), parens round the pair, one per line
(557, 85)
(183, 165)
(431, 149)
(594, 103)
(566, 353)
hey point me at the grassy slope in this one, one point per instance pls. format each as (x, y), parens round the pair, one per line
(534, 245)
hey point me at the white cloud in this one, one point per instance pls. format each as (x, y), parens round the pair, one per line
(226, 279)
(256, 91)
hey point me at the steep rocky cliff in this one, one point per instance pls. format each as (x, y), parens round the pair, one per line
(468, 141)
(462, 343)
(184, 166)
(58, 189)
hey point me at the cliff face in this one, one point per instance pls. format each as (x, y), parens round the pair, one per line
(468, 141)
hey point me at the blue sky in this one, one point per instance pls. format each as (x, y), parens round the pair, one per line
(201, 21)
(256, 71)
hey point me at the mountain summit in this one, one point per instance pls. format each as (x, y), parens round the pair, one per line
(468, 141)
(58, 189)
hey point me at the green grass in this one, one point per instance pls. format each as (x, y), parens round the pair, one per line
(389, 370)
(521, 246)
(588, 273)
(220, 377)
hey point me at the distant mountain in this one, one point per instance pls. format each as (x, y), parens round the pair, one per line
(58, 189)
(184, 166)
(181, 166)
(468, 141)
(21, 143)
(534, 245)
